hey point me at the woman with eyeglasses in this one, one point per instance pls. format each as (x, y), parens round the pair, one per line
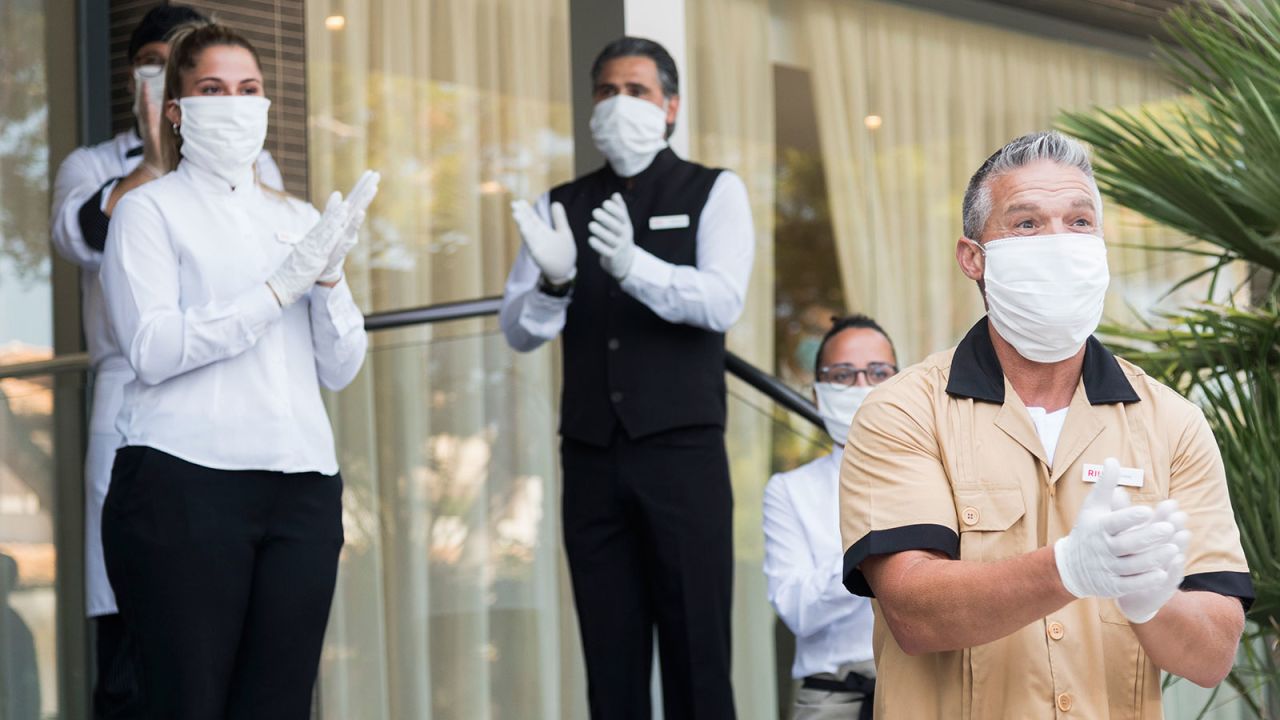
(223, 521)
(804, 560)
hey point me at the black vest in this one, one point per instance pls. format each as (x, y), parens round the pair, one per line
(623, 363)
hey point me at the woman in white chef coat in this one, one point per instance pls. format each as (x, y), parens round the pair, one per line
(803, 557)
(222, 525)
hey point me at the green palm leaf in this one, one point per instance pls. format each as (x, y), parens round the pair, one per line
(1208, 165)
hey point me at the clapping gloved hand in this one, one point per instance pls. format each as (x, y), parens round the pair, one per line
(1139, 607)
(311, 256)
(552, 247)
(613, 237)
(362, 194)
(1116, 549)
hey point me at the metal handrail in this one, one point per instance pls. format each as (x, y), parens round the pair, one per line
(766, 384)
(66, 363)
(771, 387)
(443, 312)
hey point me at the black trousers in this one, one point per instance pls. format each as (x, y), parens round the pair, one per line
(116, 690)
(648, 527)
(224, 579)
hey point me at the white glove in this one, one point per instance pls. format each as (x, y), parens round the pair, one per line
(1113, 552)
(552, 248)
(366, 188)
(613, 237)
(300, 268)
(1140, 607)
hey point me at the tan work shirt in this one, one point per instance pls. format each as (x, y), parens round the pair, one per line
(945, 457)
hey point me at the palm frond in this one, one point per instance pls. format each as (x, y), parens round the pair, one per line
(1228, 360)
(1207, 165)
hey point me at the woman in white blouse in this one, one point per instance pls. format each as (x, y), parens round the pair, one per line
(223, 523)
(803, 559)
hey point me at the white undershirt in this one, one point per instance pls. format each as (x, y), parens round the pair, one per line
(1049, 427)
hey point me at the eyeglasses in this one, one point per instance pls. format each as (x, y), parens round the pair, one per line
(847, 375)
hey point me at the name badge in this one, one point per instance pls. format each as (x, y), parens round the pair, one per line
(1129, 477)
(668, 222)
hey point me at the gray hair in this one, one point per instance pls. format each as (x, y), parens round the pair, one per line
(1032, 147)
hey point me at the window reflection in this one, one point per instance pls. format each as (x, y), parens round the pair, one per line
(28, 602)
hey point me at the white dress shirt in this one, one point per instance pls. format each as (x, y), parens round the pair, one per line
(804, 566)
(84, 173)
(224, 378)
(708, 295)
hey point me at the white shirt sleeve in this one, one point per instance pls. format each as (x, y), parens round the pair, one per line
(709, 295)
(529, 317)
(337, 334)
(76, 183)
(808, 596)
(141, 282)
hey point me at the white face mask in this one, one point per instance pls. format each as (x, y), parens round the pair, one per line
(224, 135)
(837, 405)
(628, 131)
(1045, 292)
(148, 79)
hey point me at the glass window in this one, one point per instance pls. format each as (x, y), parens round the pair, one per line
(28, 555)
(26, 328)
(905, 105)
(809, 293)
(463, 107)
(449, 601)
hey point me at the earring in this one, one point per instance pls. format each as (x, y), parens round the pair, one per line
(175, 129)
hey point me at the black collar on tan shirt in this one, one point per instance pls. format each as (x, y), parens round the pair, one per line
(976, 371)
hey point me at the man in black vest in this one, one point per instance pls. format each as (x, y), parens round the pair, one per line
(643, 265)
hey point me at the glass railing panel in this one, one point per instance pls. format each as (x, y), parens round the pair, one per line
(762, 439)
(453, 601)
(29, 584)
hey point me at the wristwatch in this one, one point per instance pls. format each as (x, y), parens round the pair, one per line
(546, 287)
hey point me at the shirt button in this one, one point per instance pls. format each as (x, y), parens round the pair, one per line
(614, 344)
(1056, 631)
(970, 516)
(1064, 702)
(615, 397)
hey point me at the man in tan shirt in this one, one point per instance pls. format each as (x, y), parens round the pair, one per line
(979, 507)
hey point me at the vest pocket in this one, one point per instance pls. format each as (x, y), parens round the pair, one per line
(991, 523)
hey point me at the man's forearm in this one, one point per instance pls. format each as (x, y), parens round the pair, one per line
(1195, 636)
(933, 604)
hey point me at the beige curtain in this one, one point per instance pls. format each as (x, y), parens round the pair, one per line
(451, 601)
(909, 104)
(732, 125)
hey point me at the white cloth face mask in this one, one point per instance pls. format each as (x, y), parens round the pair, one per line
(837, 405)
(629, 132)
(147, 79)
(224, 134)
(1045, 292)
